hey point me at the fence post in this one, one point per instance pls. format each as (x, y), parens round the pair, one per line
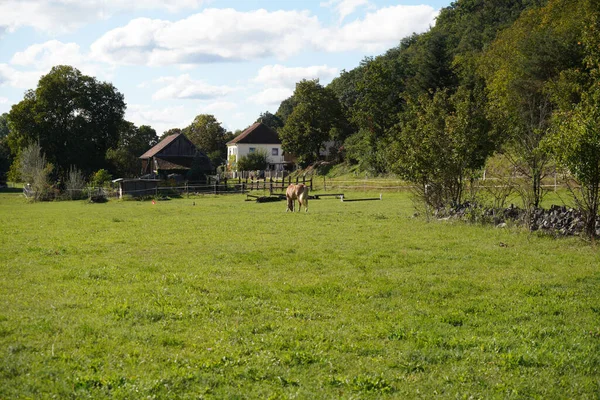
(324, 184)
(215, 187)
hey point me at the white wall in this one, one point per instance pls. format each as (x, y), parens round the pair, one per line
(241, 149)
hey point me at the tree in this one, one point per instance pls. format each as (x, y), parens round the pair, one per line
(316, 118)
(440, 143)
(576, 146)
(172, 131)
(209, 136)
(75, 184)
(286, 108)
(575, 141)
(256, 161)
(35, 171)
(74, 118)
(271, 120)
(101, 177)
(520, 67)
(5, 156)
(133, 142)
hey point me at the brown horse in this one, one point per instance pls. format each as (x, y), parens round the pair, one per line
(297, 192)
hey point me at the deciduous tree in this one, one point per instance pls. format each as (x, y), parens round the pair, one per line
(209, 136)
(316, 118)
(74, 118)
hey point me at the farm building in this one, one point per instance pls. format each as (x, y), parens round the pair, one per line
(136, 187)
(175, 154)
(259, 137)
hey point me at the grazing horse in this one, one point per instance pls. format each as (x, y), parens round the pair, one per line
(297, 192)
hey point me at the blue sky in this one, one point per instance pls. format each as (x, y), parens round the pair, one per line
(176, 59)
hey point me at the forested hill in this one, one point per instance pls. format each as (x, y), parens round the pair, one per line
(374, 94)
(514, 78)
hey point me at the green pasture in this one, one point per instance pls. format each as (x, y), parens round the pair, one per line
(216, 297)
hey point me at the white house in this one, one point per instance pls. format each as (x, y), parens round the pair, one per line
(258, 137)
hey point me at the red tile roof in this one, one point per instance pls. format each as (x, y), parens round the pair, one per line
(258, 133)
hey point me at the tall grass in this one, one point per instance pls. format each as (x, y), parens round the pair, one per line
(215, 297)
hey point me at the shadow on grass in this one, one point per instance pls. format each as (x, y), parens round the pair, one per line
(11, 190)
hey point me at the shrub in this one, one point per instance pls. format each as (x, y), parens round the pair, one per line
(75, 184)
(256, 161)
(101, 177)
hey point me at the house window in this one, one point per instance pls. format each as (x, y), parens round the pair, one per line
(274, 151)
(251, 149)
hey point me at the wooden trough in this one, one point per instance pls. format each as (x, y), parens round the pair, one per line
(264, 199)
(366, 199)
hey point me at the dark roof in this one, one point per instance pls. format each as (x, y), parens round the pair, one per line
(182, 162)
(161, 145)
(258, 133)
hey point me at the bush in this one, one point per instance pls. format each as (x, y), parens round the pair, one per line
(101, 177)
(256, 161)
(75, 184)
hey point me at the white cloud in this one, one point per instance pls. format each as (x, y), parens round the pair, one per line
(218, 35)
(184, 87)
(60, 16)
(213, 35)
(48, 54)
(161, 119)
(28, 66)
(345, 7)
(271, 96)
(219, 106)
(281, 76)
(378, 30)
(19, 79)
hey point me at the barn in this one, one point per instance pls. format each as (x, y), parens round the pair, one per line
(175, 155)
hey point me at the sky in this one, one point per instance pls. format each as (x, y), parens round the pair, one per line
(175, 59)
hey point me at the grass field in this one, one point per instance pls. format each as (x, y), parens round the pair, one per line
(234, 299)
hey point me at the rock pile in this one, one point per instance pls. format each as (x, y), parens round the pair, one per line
(557, 219)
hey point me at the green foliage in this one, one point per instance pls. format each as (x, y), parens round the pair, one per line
(133, 142)
(575, 142)
(101, 178)
(197, 172)
(209, 136)
(271, 120)
(74, 118)
(521, 67)
(316, 118)
(172, 131)
(256, 161)
(5, 155)
(35, 172)
(372, 304)
(286, 108)
(576, 146)
(75, 184)
(441, 143)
